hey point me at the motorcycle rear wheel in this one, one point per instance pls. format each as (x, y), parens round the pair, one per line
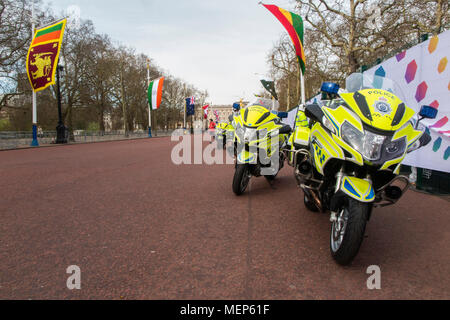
(347, 233)
(241, 179)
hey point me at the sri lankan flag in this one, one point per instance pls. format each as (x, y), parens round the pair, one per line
(43, 55)
(155, 93)
(294, 26)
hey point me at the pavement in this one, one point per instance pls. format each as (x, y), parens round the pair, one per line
(141, 227)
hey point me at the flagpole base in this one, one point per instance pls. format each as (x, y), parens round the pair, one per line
(34, 142)
(149, 132)
(61, 134)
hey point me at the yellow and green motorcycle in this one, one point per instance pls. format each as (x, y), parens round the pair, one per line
(347, 158)
(223, 130)
(259, 141)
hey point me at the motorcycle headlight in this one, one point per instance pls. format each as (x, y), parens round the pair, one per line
(327, 124)
(369, 144)
(250, 134)
(395, 148)
(239, 131)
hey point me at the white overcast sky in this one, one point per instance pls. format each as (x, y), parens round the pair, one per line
(212, 44)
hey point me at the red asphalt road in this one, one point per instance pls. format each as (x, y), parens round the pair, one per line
(140, 227)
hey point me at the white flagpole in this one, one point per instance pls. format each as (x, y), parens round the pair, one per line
(149, 107)
(35, 142)
(184, 123)
(302, 80)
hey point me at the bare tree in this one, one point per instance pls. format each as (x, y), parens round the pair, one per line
(15, 33)
(284, 66)
(100, 78)
(346, 25)
(426, 16)
(75, 52)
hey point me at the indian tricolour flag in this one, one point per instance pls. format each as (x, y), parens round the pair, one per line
(155, 93)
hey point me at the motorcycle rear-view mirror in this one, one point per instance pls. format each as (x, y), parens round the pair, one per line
(428, 112)
(313, 112)
(283, 115)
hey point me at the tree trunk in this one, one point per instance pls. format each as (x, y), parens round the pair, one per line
(288, 102)
(101, 116)
(69, 121)
(439, 15)
(124, 105)
(155, 124)
(353, 64)
(101, 120)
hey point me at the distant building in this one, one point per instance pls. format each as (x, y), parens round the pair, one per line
(224, 111)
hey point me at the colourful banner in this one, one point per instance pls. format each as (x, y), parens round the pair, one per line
(43, 55)
(423, 73)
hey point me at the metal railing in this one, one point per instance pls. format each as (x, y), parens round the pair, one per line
(18, 139)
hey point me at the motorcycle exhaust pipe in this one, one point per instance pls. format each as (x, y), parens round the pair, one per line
(317, 201)
(393, 192)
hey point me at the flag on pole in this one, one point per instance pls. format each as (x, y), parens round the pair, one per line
(217, 115)
(205, 111)
(43, 55)
(190, 106)
(293, 23)
(270, 86)
(155, 93)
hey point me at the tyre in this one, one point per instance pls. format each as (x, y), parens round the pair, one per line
(241, 179)
(347, 233)
(309, 204)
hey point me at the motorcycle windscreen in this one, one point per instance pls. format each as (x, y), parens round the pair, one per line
(255, 116)
(379, 108)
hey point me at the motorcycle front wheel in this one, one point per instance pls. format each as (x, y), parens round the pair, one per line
(241, 179)
(221, 143)
(347, 232)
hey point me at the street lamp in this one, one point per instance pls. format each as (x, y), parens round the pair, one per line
(60, 128)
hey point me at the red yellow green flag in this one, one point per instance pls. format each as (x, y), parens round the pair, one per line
(293, 23)
(43, 55)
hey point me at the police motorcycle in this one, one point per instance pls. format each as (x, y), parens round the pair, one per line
(223, 130)
(260, 137)
(347, 157)
(230, 133)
